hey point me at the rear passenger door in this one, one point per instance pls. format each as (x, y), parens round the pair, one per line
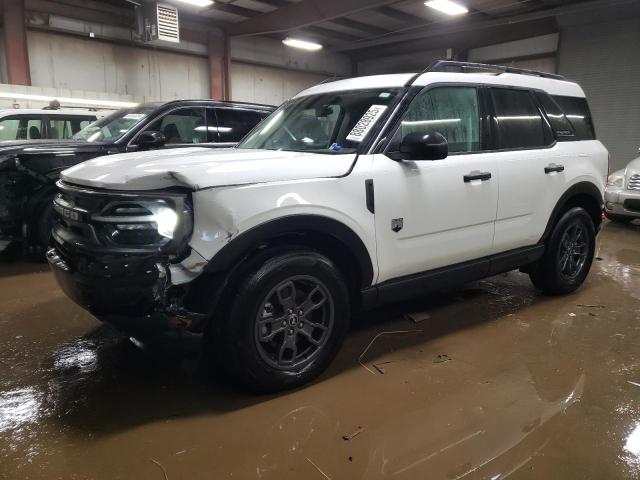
(531, 167)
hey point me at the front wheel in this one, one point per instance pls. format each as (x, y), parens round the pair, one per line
(568, 255)
(286, 322)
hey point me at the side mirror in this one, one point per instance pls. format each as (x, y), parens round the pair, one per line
(151, 139)
(424, 146)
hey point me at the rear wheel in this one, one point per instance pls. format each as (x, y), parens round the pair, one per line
(285, 324)
(568, 255)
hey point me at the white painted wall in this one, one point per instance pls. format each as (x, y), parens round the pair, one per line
(407, 63)
(535, 46)
(262, 70)
(253, 83)
(270, 52)
(69, 62)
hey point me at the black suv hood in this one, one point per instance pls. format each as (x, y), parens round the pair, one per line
(47, 147)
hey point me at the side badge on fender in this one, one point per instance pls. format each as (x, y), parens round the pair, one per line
(397, 224)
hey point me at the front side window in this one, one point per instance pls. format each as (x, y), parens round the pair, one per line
(185, 125)
(114, 126)
(335, 122)
(450, 111)
(518, 119)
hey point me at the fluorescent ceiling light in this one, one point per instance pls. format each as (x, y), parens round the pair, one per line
(65, 100)
(303, 44)
(197, 3)
(447, 6)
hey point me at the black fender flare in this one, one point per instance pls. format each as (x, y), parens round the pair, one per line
(580, 188)
(234, 251)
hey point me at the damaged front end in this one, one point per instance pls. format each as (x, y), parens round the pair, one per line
(115, 253)
(12, 199)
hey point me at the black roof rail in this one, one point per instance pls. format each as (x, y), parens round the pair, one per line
(462, 67)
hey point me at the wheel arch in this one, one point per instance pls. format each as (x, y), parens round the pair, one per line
(583, 194)
(324, 234)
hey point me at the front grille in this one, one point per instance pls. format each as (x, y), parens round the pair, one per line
(634, 182)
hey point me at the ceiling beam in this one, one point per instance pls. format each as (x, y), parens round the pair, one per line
(233, 9)
(362, 27)
(468, 39)
(399, 16)
(303, 14)
(331, 35)
(432, 29)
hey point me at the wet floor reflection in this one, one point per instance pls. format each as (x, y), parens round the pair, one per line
(499, 382)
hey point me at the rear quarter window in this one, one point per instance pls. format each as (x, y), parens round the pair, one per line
(562, 128)
(577, 112)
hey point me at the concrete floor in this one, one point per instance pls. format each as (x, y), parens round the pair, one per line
(499, 382)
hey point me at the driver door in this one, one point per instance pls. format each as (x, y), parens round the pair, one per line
(436, 213)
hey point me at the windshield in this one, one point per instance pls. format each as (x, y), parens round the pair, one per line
(335, 122)
(113, 126)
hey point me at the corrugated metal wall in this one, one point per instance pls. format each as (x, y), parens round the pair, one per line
(605, 59)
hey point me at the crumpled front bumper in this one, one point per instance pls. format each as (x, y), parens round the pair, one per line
(127, 292)
(621, 201)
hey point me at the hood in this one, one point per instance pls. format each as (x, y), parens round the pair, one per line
(198, 168)
(47, 146)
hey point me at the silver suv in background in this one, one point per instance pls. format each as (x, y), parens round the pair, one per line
(622, 194)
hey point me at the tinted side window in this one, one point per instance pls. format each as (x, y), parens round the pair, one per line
(561, 126)
(518, 119)
(577, 111)
(233, 125)
(185, 125)
(451, 111)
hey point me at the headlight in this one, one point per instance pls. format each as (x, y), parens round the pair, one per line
(144, 222)
(615, 180)
(166, 221)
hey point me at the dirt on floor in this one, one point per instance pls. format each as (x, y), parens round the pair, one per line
(491, 381)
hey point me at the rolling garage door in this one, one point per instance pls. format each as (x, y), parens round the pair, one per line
(603, 58)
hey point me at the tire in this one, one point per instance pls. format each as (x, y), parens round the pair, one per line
(43, 226)
(262, 332)
(618, 218)
(567, 258)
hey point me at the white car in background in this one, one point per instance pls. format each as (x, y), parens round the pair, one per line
(43, 124)
(622, 194)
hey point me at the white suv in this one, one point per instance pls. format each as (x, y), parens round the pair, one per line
(355, 193)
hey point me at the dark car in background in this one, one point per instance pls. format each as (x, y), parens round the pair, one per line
(29, 170)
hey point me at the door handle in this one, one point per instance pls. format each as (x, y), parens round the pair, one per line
(553, 168)
(476, 175)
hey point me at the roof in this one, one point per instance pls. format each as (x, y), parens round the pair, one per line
(44, 111)
(224, 103)
(550, 85)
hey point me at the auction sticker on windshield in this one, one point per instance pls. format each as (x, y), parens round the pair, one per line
(366, 123)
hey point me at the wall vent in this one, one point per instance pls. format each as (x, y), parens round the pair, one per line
(161, 24)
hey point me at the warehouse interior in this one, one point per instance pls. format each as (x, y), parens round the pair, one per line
(491, 380)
